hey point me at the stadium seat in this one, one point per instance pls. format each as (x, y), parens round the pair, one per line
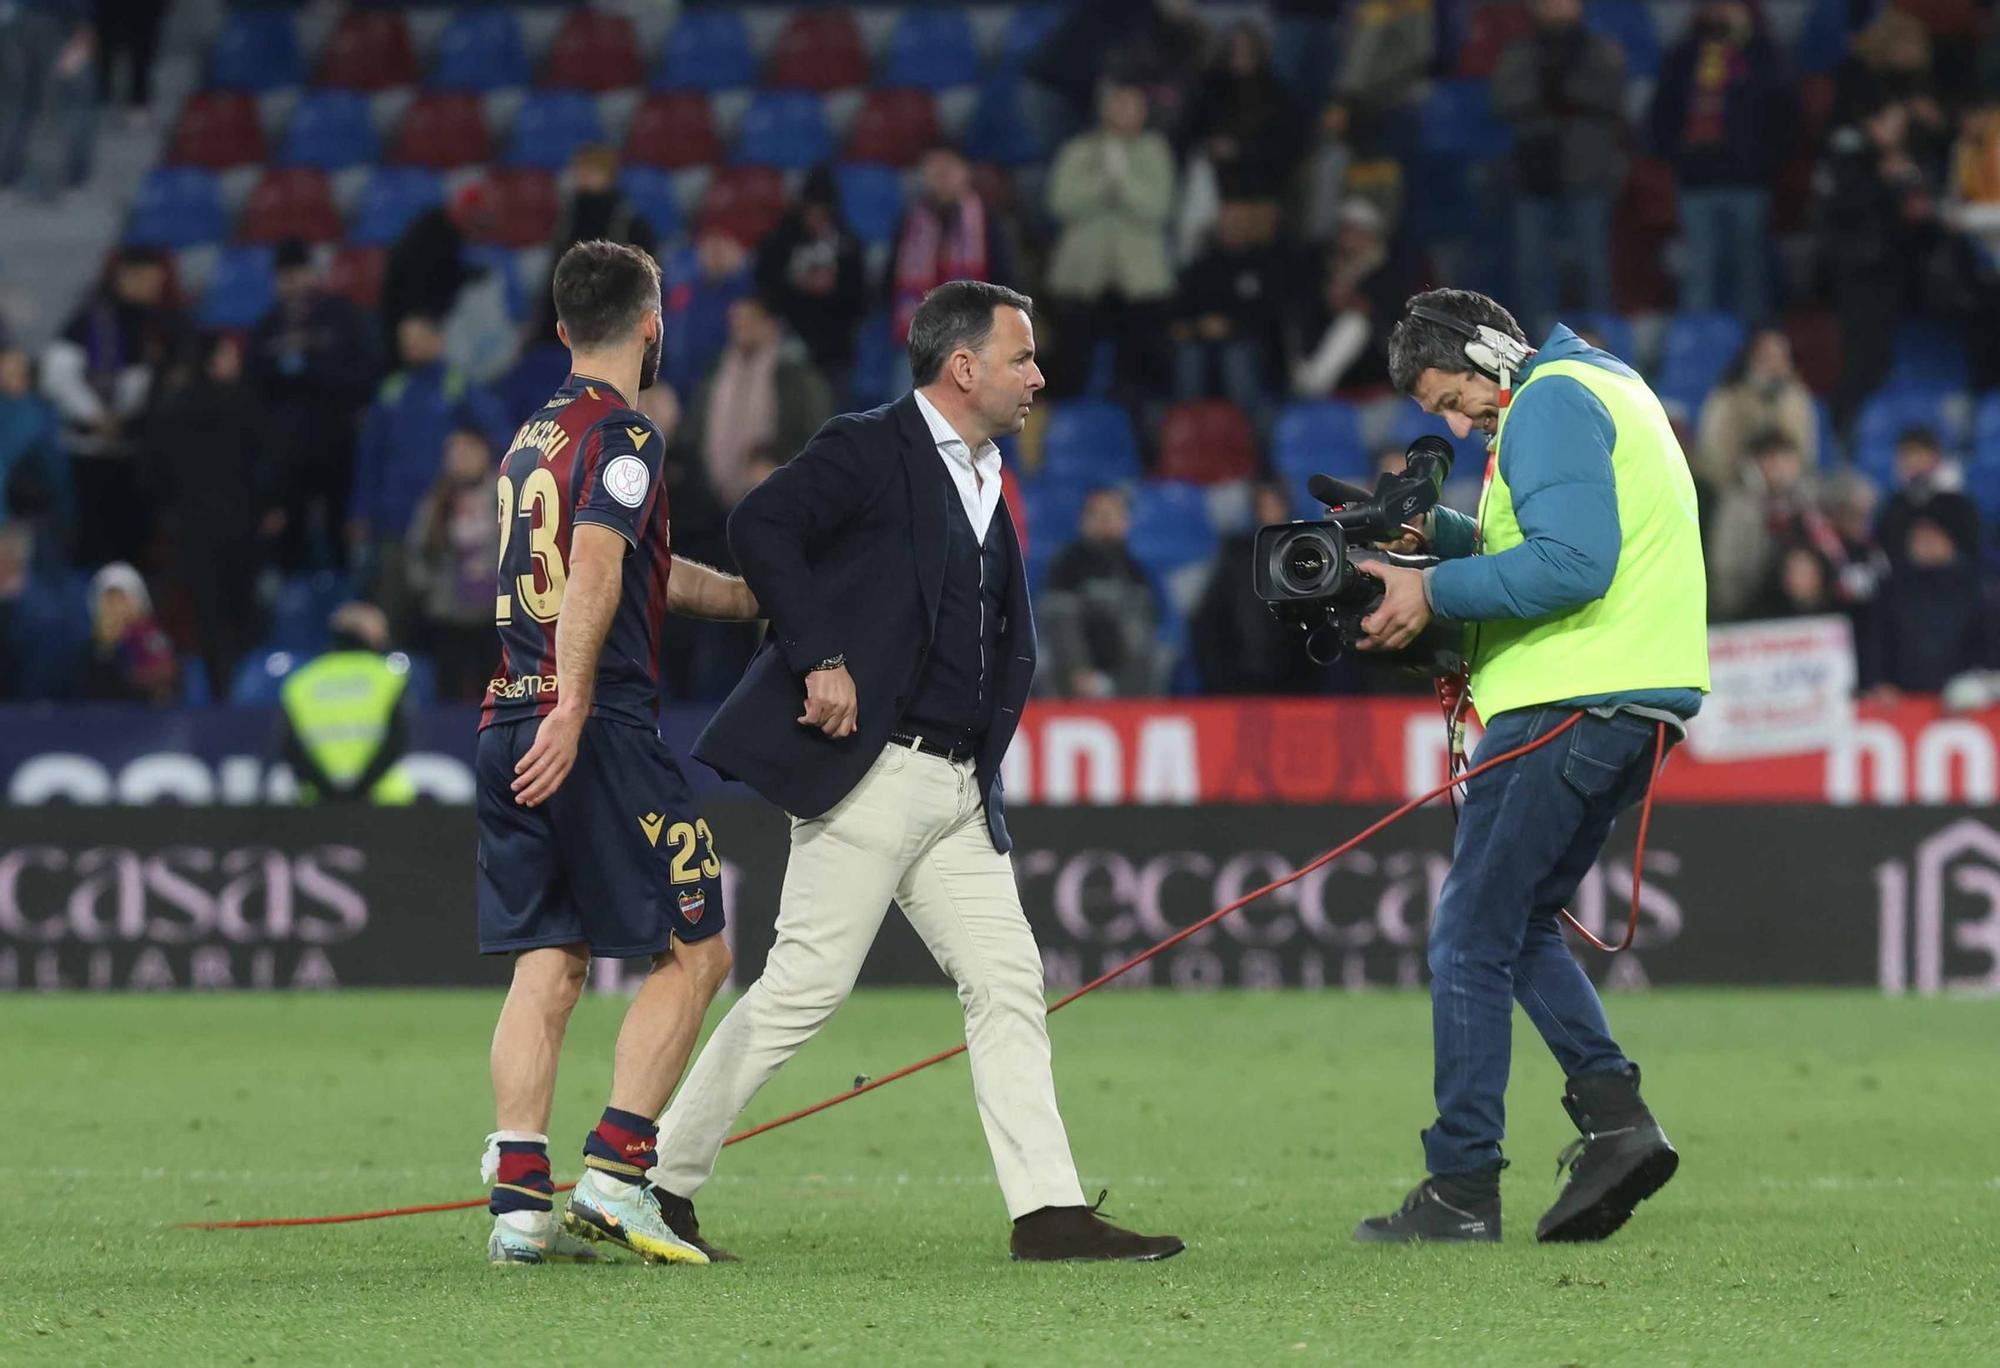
(241, 289)
(480, 49)
(674, 128)
(871, 197)
(744, 201)
(1207, 441)
(1322, 436)
(195, 689)
(177, 206)
(524, 206)
(1170, 526)
(785, 128)
(1456, 119)
(293, 201)
(443, 129)
(594, 50)
(1631, 25)
(550, 126)
(818, 50)
(1491, 28)
(369, 49)
(1091, 441)
(1822, 41)
(707, 49)
(256, 50)
(500, 259)
(651, 192)
(931, 49)
(329, 129)
(260, 678)
(1986, 428)
(875, 358)
(999, 132)
(1053, 511)
(1929, 355)
(1696, 350)
(893, 127)
(218, 129)
(1886, 415)
(355, 274)
(1614, 333)
(1027, 28)
(392, 199)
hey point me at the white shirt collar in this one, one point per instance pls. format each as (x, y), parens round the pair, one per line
(980, 496)
(947, 438)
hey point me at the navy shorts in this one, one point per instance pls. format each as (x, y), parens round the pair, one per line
(618, 859)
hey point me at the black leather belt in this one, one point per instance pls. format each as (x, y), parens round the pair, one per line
(963, 750)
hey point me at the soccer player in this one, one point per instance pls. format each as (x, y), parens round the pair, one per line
(589, 842)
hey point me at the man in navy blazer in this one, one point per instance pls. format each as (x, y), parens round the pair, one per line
(899, 656)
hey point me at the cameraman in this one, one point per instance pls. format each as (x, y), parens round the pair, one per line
(1581, 583)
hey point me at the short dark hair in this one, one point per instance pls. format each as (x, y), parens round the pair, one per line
(1920, 435)
(602, 290)
(958, 313)
(1771, 441)
(1418, 344)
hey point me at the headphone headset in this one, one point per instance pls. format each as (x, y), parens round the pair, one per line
(1492, 353)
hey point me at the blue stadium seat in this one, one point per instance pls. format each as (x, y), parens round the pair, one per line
(998, 131)
(260, 678)
(1319, 437)
(786, 129)
(392, 199)
(1986, 426)
(1026, 29)
(1448, 210)
(177, 206)
(872, 198)
(481, 49)
(329, 129)
(1929, 355)
(299, 614)
(1170, 526)
(1457, 119)
(1886, 415)
(196, 691)
(1696, 350)
(551, 125)
(256, 50)
(494, 257)
(1089, 440)
(930, 49)
(1982, 482)
(1631, 24)
(1822, 41)
(1053, 510)
(875, 364)
(241, 289)
(651, 191)
(1614, 333)
(708, 49)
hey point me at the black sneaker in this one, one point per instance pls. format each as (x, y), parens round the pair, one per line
(680, 1218)
(1459, 1208)
(1621, 1159)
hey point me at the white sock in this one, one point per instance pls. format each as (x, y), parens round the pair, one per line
(606, 1185)
(533, 1223)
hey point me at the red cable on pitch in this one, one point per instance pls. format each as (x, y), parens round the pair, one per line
(872, 1084)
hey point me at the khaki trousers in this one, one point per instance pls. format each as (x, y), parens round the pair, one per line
(913, 829)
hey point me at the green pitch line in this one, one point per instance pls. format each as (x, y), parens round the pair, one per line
(1839, 1200)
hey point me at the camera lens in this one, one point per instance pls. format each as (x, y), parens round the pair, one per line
(1304, 562)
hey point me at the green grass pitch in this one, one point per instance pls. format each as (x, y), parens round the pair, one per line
(1839, 1199)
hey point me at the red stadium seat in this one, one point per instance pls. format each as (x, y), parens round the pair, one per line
(594, 51)
(369, 49)
(218, 129)
(893, 127)
(442, 129)
(996, 186)
(818, 50)
(290, 201)
(744, 201)
(1489, 31)
(1644, 218)
(356, 274)
(1207, 441)
(1816, 348)
(523, 207)
(673, 129)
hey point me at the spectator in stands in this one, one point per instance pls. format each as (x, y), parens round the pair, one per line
(1760, 392)
(1241, 122)
(99, 373)
(948, 232)
(1759, 517)
(1972, 210)
(1801, 585)
(345, 715)
(1229, 314)
(1848, 500)
(699, 290)
(402, 444)
(428, 266)
(762, 398)
(1893, 60)
(1367, 285)
(313, 360)
(34, 35)
(1934, 619)
(1387, 52)
(1878, 224)
(41, 632)
(34, 477)
(810, 267)
(1111, 192)
(211, 466)
(1097, 618)
(1237, 645)
(129, 35)
(1562, 88)
(595, 210)
(1721, 118)
(130, 659)
(454, 545)
(1930, 485)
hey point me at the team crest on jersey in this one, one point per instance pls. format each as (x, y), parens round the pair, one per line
(626, 479)
(693, 902)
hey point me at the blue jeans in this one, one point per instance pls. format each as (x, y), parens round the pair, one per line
(1527, 834)
(1545, 228)
(1725, 232)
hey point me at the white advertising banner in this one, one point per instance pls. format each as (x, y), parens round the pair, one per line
(1781, 688)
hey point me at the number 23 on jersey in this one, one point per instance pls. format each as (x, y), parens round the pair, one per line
(539, 585)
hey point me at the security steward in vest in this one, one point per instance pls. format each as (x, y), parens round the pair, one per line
(1582, 588)
(344, 720)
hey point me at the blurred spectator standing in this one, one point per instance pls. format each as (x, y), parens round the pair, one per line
(1759, 516)
(948, 232)
(1098, 616)
(700, 286)
(1241, 124)
(1367, 284)
(1388, 49)
(1929, 485)
(128, 33)
(1238, 646)
(34, 476)
(595, 210)
(1894, 59)
(762, 399)
(1934, 619)
(1721, 118)
(454, 545)
(1228, 318)
(1760, 392)
(1973, 210)
(130, 659)
(42, 633)
(47, 93)
(1562, 87)
(313, 360)
(1111, 192)
(811, 271)
(1801, 585)
(345, 715)
(428, 266)
(211, 467)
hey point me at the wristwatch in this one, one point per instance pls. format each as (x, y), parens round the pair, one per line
(833, 662)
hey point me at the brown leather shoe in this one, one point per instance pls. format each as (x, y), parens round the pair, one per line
(1055, 1234)
(679, 1215)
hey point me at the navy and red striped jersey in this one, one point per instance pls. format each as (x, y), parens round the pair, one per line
(586, 457)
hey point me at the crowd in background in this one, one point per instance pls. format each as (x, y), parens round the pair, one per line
(1224, 231)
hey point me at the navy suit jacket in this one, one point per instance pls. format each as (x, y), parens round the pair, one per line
(844, 547)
